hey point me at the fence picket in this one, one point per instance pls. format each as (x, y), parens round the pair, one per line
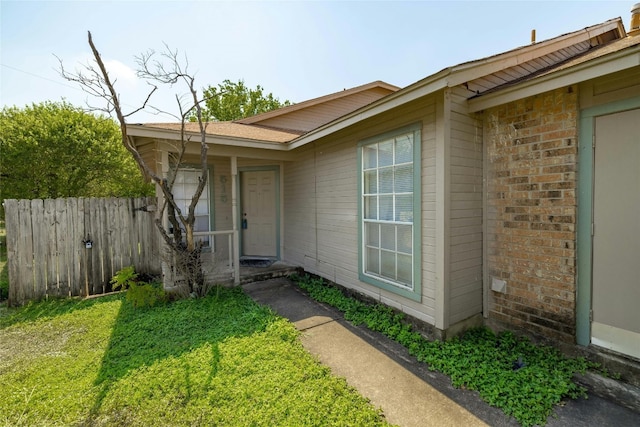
(74, 246)
(94, 253)
(11, 221)
(125, 248)
(40, 235)
(25, 255)
(49, 221)
(63, 225)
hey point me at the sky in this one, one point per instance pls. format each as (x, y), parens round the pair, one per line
(297, 50)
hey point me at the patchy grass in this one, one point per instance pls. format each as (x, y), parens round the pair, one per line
(511, 373)
(219, 360)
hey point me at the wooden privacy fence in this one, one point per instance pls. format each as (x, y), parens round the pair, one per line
(73, 246)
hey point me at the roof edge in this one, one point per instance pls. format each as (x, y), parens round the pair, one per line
(142, 131)
(612, 62)
(525, 52)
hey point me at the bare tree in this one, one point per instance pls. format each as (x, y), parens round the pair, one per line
(164, 68)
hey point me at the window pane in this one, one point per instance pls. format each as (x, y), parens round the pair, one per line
(404, 179)
(388, 236)
(178, 192)
(372, 262)
(181, 207)
(371, 182)
(405, 238)
(404, 149)
(202, 207)
(372, 232)
(386, 208)
(405, 269)
(370, 156)
(385, 153)
(404, 208)
(388, 265)
(190, 188)
(386, 180)
(371, 207)
(201, 223)
(193, 177)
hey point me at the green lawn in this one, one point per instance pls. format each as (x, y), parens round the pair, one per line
(220, 360)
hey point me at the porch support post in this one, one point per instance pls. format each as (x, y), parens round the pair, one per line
(167, 276)
(234, 216)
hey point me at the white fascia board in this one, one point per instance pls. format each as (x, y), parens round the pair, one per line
(587, 71)
(174, 135)
(387, 103)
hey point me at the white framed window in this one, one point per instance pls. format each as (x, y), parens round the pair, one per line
(389, 211)
(184, 186)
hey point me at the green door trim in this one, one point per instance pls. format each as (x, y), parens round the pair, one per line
(585, 211)
(276, 169)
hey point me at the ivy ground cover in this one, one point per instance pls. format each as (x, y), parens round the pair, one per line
(525, 380)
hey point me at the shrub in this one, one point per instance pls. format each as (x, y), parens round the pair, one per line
(140, 293)
(124, 278)
(146, 294)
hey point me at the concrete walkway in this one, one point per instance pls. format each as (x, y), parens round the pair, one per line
(408, 393)
(405, 399)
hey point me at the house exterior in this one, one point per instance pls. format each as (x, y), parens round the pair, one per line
(501, 190)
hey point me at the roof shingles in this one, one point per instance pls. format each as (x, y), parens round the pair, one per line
(233, 130)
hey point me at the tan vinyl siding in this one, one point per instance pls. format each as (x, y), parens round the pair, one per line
(221, 183)
(428, 211)
(465, 240)
(321, 206)
(318, 115)
(299, 215)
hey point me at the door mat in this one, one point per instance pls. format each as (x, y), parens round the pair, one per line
(256, 262)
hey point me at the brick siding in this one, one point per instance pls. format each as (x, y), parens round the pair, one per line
(531, 211)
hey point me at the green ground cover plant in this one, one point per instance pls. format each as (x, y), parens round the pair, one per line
(216, 360)
(523, 379)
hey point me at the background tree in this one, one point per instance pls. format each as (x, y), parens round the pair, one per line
(52, 150)
(159, 69)
(233, 101)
